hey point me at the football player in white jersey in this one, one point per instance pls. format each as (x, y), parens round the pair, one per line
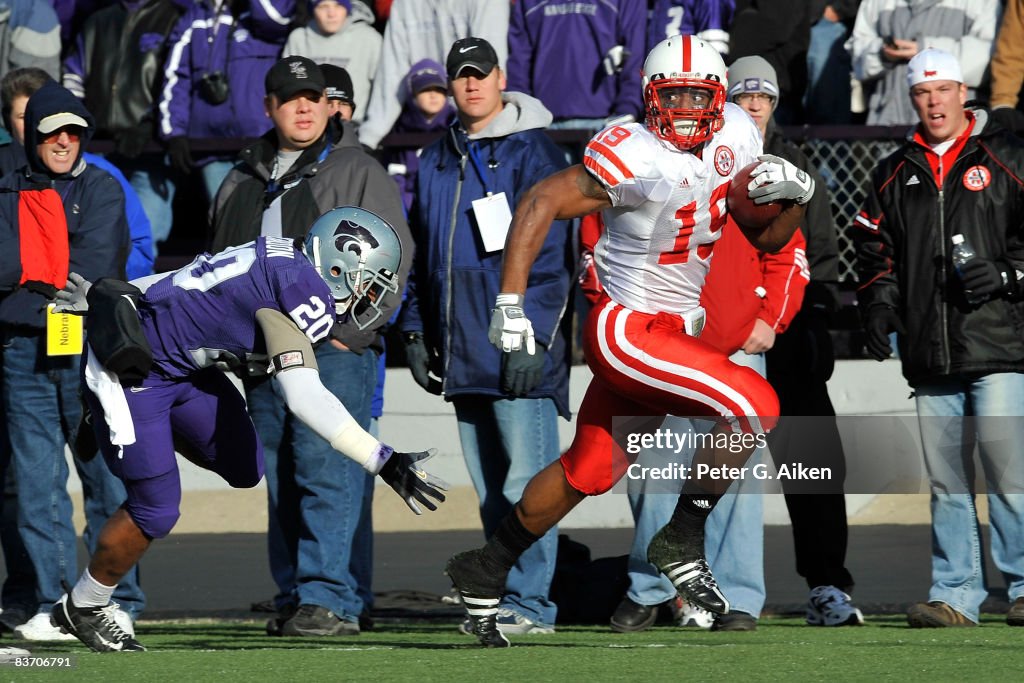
(662, 189)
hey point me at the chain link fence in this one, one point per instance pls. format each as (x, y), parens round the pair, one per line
(846, 164)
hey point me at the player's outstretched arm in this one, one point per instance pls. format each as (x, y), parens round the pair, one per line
(570, 193)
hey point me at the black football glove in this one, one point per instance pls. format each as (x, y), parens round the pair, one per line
(411, 483)
(180, 153)
(879, 322)
(522, 371)
(984, 279)
(419, 358)
(130, 143)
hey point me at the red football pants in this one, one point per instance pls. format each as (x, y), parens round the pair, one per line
(645, 364)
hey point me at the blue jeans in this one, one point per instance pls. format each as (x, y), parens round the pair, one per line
(505, 442)
(214, 174)
(827, 100)
(151, 178)
(42, 405)
(320, 536)
(958, 577)
(733, 535)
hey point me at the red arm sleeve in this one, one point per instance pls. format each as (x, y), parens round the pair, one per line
(785, 275)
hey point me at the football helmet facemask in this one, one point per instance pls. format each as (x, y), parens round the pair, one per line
(358, 254)
(685, 82)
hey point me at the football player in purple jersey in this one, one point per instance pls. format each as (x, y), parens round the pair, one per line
(264, 303)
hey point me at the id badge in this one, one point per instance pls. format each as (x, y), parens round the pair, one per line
(63, 333)
(493, 218)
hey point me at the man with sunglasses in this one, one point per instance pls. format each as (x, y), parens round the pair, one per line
(65, 215)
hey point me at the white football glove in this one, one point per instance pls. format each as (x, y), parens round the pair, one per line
(775, 178)
(510, 329)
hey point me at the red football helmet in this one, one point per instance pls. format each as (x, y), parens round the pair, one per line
(685, 86)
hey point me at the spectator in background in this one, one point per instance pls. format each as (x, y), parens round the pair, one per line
(219, 48)
(582, 62)
(339, 91)
(342, 34)
(15, 90)
(778, 31)
(958, 328)
(320, 505)
(799, 362)
(888, 33)
(122, 49)
(1008, 69)
(507, 405)
(425, 30)
(427, 110)
(29, 36)
(829, 71)
(65, 214)
(709, 20)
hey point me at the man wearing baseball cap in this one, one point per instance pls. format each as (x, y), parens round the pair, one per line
(507, 405)
(307, 165)
(954, 180)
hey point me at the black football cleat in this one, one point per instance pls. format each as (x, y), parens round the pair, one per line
(96, 627)
(682, 560)
(480, 588)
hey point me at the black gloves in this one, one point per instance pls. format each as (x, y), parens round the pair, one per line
(180, 153)
(419, 358)
(521, 372)
(410, 482)
(984, 279)
(130, 143)
(879, 322)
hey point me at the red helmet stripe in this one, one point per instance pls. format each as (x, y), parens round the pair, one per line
(686, 54)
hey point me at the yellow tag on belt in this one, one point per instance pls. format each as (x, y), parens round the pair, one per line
(63, 333)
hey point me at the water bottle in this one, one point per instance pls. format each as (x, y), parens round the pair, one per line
(962, 253)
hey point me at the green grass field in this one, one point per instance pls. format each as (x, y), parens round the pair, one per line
(781, 649)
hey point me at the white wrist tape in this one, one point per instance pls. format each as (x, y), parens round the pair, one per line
(356, 443)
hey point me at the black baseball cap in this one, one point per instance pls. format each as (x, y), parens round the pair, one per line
(339, 84)
(293, 74)
(471, 52)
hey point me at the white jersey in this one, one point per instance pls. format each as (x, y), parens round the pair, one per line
(668, 210)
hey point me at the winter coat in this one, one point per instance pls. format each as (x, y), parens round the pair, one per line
(455, 282)
(917, 202)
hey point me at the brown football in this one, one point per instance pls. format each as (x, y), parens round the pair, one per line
(743, 209)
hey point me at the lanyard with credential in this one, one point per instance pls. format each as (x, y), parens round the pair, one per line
(275, 185)
(478, 163)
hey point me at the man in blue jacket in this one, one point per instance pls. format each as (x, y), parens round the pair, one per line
(65, 215)
(507, 405)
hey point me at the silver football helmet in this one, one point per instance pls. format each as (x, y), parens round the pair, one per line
(358, 254)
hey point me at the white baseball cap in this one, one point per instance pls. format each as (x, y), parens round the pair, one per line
(933, 65)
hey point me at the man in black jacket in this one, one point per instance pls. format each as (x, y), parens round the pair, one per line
(320, 534)
(961, 329)
(115, 68)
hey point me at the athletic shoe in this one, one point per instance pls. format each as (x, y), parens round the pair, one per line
(124, 620)
(688, 614)
(935, 614)
(97, 627)
(275, 624)
(735, 621)
(13, 617)
(480, 586)
(631, 617)
(681, 559)
(1015, 617)
(39, 629)
(511, 623)
(829, 606)
(317, 621)
(9, 654)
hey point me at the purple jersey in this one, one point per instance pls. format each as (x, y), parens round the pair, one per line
(709, 20)
(204, 314)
